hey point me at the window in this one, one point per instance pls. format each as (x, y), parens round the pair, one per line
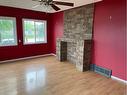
(34, 31)
(8, 35)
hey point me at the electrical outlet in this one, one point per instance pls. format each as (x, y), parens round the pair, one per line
(19, 41)
(110, 17)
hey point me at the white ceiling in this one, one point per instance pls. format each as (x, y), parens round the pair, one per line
(29, 4)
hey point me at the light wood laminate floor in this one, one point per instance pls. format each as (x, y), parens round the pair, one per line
(47, 76)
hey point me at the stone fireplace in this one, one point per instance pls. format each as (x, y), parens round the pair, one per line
(80, 55)
(75, 45)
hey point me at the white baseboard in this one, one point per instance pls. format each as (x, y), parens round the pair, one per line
(12, 60)
(118, 79)
(53, 54)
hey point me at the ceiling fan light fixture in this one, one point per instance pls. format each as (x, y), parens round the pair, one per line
(54, 3)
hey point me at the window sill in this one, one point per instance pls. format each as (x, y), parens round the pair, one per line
(8, 45)
(35, 43)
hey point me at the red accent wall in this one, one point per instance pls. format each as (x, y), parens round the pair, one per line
(109, 35)
(56, 27)
(12, 52)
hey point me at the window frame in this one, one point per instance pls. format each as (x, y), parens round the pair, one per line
(15, 30)
(45, 29)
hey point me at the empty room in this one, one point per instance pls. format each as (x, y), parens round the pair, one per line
(63, 47)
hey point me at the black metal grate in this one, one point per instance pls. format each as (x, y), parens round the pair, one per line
(101, 70)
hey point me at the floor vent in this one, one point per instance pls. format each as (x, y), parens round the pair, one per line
(101, 70)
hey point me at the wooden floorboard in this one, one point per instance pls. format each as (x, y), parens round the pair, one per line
(47, 76)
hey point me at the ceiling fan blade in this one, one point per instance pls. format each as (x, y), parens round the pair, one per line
(63, 3)
(55, 7)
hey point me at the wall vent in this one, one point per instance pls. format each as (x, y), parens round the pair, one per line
(101, 70)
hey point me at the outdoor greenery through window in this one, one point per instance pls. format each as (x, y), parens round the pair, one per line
(34, 31)
(8, 31)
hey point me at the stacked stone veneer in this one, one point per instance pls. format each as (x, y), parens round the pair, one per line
(81, 56)
(78, 22)
(71, 54)
(75, 45)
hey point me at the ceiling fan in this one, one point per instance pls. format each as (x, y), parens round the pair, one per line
(53, 4)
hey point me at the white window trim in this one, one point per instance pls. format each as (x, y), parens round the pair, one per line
(42, 42)
(15, 30)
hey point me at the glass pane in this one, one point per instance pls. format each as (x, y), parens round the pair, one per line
(7, 32)
(29, 32)
(40, 31)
